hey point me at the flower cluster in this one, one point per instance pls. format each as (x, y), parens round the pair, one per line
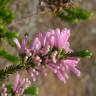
(18, 87)
(49, 49)
(20, 84)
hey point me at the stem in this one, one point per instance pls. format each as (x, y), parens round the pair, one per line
(82, 54)
(10, 70)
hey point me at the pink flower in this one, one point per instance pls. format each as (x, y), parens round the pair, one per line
(62, 67)
(37, 71)
(20, 84)
(22, 49)
(45, 50)
(56, 39)
(53, 38)
(4, 90)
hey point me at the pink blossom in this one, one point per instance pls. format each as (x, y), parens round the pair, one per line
(22, 49)
(4, 90)
(57, 39)
(53, 38)
(20, 84)
(45, 50)
(62, 67)
(37, 71)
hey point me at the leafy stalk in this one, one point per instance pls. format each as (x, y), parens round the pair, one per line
(74, 14)
(8, 56)
(10, 70)
(32, 90)
(6, 15)
(81, 54)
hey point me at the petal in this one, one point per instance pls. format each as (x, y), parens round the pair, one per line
(16, 82)
(75, 71)
(36, 45)
(61, 75)
(17, 43)
(71, 62)
(24, 40)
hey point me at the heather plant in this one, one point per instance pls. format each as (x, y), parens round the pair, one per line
(47, 50)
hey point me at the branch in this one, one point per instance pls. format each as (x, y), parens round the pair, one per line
(8, 56)
(80, 54)
(10, 70)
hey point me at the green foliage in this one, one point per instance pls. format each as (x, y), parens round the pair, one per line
(10, 70)
(33, 91)
(9, 88)
(4, 32)
(6, 15)
(8, 56)
(11, 35)
(29, 62)
(74, 14)
(81, 54)
(4, 3)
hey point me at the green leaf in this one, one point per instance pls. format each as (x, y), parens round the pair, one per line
(10, 70)
(11, 35)
(4, 3)
(9, 88)
(74, 14)
(81, 54)
(6, 15)
(8, 56)
(3, 29)
(33, 90)
(4, 32)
